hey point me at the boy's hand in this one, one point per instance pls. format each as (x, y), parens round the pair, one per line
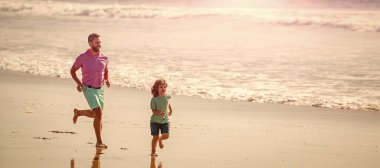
(162, 114)
(170, 112)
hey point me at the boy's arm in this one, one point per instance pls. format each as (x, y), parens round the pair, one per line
(156, 112)
(170, 109)
(154, 109)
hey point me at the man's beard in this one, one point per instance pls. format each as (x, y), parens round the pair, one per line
(96, 49)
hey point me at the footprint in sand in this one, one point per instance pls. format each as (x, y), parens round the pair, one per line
(43, 138)
(63, 132)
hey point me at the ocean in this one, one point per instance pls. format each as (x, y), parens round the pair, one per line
(297, 52)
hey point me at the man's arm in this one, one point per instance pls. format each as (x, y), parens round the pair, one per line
(170, 109)
(74, 76)
(106, 76)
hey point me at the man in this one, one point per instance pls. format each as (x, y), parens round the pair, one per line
(94, 66)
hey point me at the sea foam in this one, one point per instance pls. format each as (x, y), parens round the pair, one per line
(319, 74)
(189, 86)
(355, 20)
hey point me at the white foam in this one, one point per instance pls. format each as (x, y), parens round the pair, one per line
(206, 74)
(356, 20)
(269, 93)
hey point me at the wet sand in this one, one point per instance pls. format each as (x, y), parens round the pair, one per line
(36, 130)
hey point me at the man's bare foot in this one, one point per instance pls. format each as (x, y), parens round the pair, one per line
(160, 143)
(101, 145)
(75, 117)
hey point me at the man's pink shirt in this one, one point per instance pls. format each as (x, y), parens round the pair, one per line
(93, 68)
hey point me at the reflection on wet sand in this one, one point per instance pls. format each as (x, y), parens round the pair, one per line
(95, 161)
(153, 162)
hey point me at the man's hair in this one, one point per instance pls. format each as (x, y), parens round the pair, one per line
(158, 82)
(93, 36)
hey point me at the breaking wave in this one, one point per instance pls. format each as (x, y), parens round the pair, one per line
(355, 20)
(142, 80)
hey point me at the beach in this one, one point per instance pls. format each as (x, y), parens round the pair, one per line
(204, 132)
(274, 83)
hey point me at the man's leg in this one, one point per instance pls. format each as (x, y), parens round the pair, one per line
(77, 113)
(98, 127)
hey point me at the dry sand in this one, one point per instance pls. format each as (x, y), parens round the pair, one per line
(204, 133)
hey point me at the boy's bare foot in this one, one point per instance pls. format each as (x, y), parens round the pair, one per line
(75, 117)
(160, 143)
(101, 145)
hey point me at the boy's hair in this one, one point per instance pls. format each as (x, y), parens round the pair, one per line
(156, 85)
(92, 36)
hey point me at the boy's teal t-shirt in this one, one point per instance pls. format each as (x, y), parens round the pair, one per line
(160, 103)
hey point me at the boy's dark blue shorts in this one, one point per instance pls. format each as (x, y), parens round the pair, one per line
(156, 127)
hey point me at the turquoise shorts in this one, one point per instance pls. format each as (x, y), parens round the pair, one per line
(94, 97)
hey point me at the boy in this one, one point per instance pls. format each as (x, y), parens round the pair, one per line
(159, 120)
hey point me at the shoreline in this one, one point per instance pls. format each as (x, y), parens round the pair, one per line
(25, 74)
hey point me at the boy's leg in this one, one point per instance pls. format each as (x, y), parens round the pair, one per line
(154, 144)
(77, 113)
(164, 134)
(154, 131)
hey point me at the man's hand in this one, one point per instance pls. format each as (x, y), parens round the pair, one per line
(108, 84)
(74, 76)
(79, 88)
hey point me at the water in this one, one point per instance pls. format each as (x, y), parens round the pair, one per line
(324, 57)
